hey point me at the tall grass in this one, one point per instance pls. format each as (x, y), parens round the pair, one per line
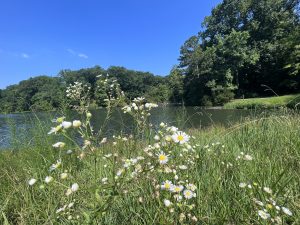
(273, 142)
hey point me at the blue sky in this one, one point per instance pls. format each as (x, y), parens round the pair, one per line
(42, 37)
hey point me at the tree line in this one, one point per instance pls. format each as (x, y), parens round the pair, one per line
(246, 48)
(44, 93)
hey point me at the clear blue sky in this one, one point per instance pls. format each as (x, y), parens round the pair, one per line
(40, 37)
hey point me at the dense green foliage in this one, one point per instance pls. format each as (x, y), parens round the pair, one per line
(244, 44)
(47, 93)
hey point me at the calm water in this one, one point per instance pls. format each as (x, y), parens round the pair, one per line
(21, 126)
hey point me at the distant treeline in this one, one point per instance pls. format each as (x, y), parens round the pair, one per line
(247, 48)
(47, 93)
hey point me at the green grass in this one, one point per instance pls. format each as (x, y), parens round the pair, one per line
(273, 143)
(289, 101)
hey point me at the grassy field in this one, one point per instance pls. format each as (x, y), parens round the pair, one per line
(237, 173)
(290, 101)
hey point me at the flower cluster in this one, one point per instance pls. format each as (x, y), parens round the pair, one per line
(140, 111)
(265, 204)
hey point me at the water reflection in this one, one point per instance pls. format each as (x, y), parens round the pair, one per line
(20, 125)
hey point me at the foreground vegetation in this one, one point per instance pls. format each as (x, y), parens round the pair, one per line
(290, 101)
(220, 169)
(245, 174)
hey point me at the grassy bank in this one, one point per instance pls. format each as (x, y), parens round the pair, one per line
(289, 101)
(263, 154)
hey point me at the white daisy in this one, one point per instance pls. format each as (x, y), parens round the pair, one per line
(287, 211)
(166, 185)
(176, 188)
(55, 129)
(48, 179)
(74, 187)
(163, 158)
(167, 202)
(55, 166)
(188, 194)
(242, 185)
(66, 124)
(31, 181)
(180, 137)
(76, 123)
(59, 145)
(264, 215)
(63, 176)
(268, 190)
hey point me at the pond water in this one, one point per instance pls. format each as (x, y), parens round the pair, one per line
(20, 125)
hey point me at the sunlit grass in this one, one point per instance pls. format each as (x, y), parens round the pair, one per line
(264, 103)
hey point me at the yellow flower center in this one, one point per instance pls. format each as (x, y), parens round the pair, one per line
(188, 193)
(167, 185)
(177, 189)
(162, 157)
(269, 206)
(180, 138)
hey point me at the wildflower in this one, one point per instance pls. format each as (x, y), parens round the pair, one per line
(66, 124)
(89, 115)
(248, 157)
(104, 180)
(163, 158)
(61, 209)
(258, 202)
(181, 217)
(58, 120)
(104, 140)
(69, 152)
(55, 129)
(180, 137)
(162, 124)
(242, 185)
(167, 202)
(264, 215)
(188, 194)
(178, 197)
(176, 188)
(286, 211)
(63, 176)
(194, 218)
(182, 167)
(191, 187)
(55, 166)
(166, 185)
(119, 172)
(141, 200)
(156, 137)
(48, 179)
(76, 123)
(59, 145)
(86, 144)
(74, 187)
(268, 190)
(69, 191)
(31, 181)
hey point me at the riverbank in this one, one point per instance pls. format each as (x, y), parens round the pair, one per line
(290, 101)
(237, 172)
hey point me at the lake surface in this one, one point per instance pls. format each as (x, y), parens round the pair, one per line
(20, 127)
